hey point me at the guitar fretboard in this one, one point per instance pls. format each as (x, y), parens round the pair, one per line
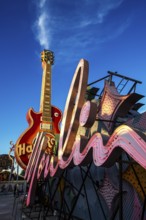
(45, 104)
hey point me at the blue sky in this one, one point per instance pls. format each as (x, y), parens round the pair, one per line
(110, 34)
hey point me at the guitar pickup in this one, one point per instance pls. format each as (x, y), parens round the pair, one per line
(44, 126)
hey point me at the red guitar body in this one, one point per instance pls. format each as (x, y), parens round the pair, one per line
(24, 144)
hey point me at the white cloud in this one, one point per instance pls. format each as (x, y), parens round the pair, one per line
(101, 10)
(69, 26)
(105, 6)
(42, 28)
(43, 34)
(42, 3)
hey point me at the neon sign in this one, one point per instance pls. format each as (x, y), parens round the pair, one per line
(74, 146)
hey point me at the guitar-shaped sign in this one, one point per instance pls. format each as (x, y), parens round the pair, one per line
(47, 119)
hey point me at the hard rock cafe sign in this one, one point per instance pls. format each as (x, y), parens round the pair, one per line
(80, 140)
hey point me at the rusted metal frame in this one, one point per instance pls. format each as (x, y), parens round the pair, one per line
(86, 195)
(137, 178)
(119, 83)
(63, 200)
(72, 185)
(120, 189)
(98, 80)
(71, 218)
(133, 88)
(77, 197)
(125, 77)
(49, 188)
(100, 95)
(105, 77)
(67, 208)
(110, 75)
(49, 191)
(63, 212)
(51, 198)
(41, 206)
(123, 86)
(114, 214)
(94, 183)
(98, 119)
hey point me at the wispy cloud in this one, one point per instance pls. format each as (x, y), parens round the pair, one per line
(42, 29)
(65, 25)
(42, 3)
(100, 9)
(105, 8)
(43, 35)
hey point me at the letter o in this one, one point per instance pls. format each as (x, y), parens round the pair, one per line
(74, 102)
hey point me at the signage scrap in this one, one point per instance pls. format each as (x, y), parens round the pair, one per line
(75, 146)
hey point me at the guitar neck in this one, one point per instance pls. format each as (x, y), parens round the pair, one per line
(45, 103)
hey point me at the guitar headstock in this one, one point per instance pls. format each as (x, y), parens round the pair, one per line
(47, 56)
